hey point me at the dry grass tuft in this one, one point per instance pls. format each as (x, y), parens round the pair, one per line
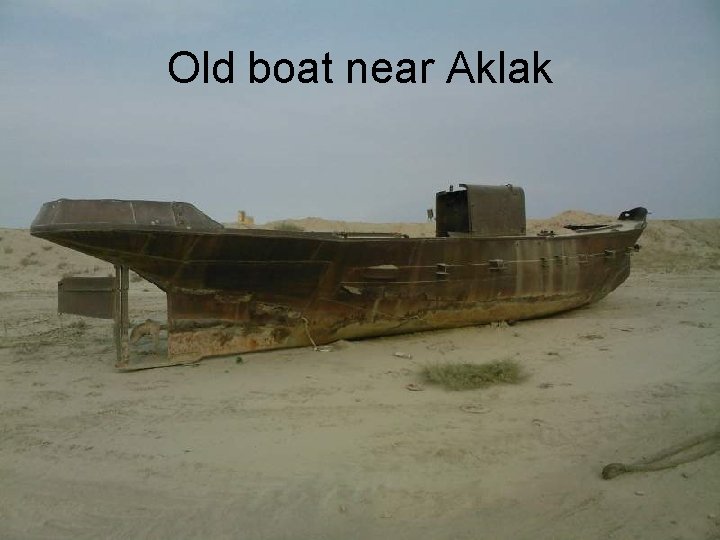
(27, 348)
(78, 327)
(29, 260)
(78, 324)
(464, 376)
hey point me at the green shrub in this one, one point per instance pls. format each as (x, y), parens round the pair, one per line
(465, 376)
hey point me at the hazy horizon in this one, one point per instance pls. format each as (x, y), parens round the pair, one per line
(88, 108)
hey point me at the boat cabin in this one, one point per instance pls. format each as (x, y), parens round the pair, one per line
(480, 211)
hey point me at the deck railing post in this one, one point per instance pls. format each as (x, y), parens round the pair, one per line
(122, 323)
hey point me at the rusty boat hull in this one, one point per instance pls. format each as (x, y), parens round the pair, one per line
(234, 290)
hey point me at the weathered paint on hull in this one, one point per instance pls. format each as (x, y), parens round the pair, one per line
(238, 291)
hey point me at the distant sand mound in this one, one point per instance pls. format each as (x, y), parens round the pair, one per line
(568, 217)
(680, 245)
(317, 224)
(29, 263)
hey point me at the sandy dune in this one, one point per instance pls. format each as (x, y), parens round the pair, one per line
(303, 444)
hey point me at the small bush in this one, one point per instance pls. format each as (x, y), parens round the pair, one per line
(8, 250)
(78, 324)
(287, 226)
(27, 348)
(464, 376)
(47, 248)
(29, 260)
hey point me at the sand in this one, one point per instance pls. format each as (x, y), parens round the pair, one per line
(305, 444)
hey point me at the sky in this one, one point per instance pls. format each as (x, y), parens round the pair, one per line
(88, 108)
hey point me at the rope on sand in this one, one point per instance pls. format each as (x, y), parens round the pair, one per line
(307, 331)
(689, 450)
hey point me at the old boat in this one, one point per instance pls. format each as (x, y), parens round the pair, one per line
(234, 290)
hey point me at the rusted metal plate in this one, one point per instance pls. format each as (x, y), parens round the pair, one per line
(67, 213)
(481, 211)
(88, 296)
(232, 291)
(381, 272)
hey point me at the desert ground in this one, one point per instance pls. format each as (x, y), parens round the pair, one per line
(302, 444)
